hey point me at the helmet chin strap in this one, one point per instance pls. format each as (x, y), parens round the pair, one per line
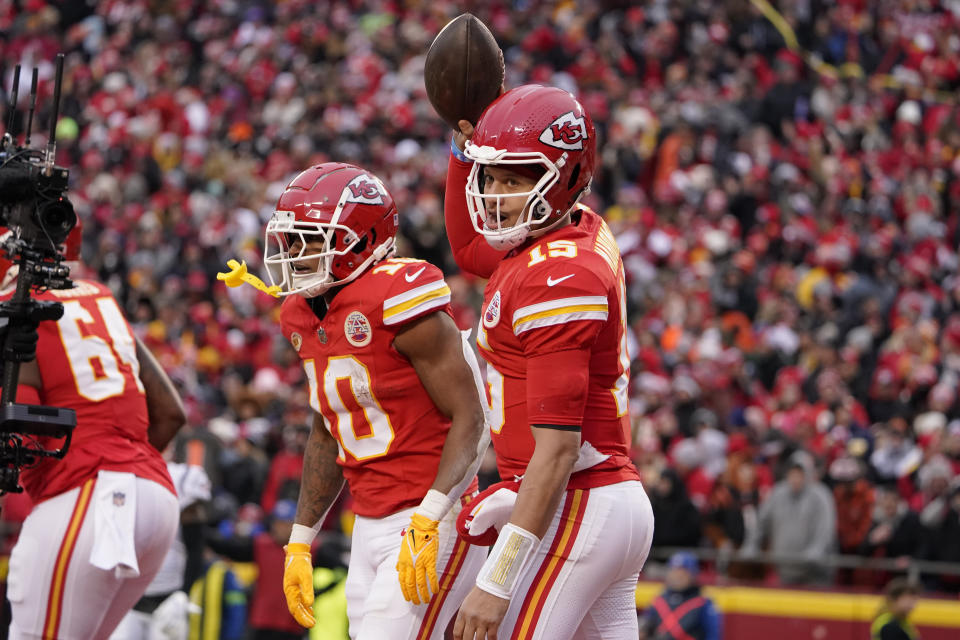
(562, 220)
(559, 222)
(383, 250)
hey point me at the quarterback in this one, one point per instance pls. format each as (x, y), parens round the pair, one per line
(104, 516)
(552, 331)
(398, 405)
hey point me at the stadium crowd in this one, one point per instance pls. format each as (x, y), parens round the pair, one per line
(783, 192)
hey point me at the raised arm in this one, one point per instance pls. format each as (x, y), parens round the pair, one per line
(472, 253)
(164, 406)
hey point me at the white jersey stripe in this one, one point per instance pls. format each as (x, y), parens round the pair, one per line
(562, 318)
(576, 301)
(437, 302)
(406, 296)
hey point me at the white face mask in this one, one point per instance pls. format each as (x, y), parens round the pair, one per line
(536, 209)
(281, 264)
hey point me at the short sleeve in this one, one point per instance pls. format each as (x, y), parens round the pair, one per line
(560, 309)
(416, 289)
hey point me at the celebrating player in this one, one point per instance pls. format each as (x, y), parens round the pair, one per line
(397, 399)
(105, 515)
(552, 331)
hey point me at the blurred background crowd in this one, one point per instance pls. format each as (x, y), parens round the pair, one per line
(782, 183)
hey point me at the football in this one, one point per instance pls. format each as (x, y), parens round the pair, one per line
(463, 71)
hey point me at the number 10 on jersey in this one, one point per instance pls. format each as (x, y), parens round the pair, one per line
(352, 413)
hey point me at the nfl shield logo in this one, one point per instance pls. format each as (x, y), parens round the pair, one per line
(322, 335)
(491, 316)
(119, 498)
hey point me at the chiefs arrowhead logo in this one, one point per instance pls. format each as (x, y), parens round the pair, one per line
(364, 190)
(566, 132)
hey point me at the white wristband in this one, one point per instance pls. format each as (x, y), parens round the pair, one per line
(302, 534)
(510, 558)
(434, 505)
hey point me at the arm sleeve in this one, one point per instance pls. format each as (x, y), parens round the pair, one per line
(472, 253)
(28, 395)
(557, 327)
(416, 290)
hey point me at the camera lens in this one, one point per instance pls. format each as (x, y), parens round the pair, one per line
(57, 218)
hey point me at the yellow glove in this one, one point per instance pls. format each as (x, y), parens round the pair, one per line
(298, 583)
(418, 559)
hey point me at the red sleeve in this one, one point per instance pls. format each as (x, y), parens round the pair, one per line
(557, 387)
(471, 251)
(558, 326)
(415, 290)
(560, 308)
(27, 395)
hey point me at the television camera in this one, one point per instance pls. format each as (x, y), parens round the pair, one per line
(38, 217)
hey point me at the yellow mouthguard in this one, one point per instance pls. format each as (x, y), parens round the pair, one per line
(238, 275)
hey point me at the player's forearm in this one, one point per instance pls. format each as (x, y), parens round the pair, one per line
(545, 480)
(321, 481)
(164, 406)
(460, 459)
(470, 251)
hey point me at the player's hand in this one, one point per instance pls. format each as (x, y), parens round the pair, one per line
(466, 132)
(298, 583)
(480, 616)
(466, 129)
(417, 564)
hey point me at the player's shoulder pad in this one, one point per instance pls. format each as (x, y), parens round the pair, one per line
(415, 287)
(566, 291)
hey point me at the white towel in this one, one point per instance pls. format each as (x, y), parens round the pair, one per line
(115, 515)
(493, 511)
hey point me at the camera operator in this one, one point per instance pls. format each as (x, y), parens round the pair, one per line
(106, 514)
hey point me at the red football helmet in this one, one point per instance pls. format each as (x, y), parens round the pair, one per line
(334, 212)
(532, 125)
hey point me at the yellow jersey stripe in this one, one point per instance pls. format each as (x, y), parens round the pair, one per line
(409, 295)
(523, 312)
(560, 316)
(393, 314)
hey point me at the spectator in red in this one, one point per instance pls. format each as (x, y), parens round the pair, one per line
(854, 498)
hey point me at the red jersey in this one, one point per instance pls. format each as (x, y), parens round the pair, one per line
(389, 432)
(558, 301)
(88, 363)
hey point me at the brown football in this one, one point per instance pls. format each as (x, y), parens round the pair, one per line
(463, 71)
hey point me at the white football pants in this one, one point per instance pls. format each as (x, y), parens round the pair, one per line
(117, 520)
